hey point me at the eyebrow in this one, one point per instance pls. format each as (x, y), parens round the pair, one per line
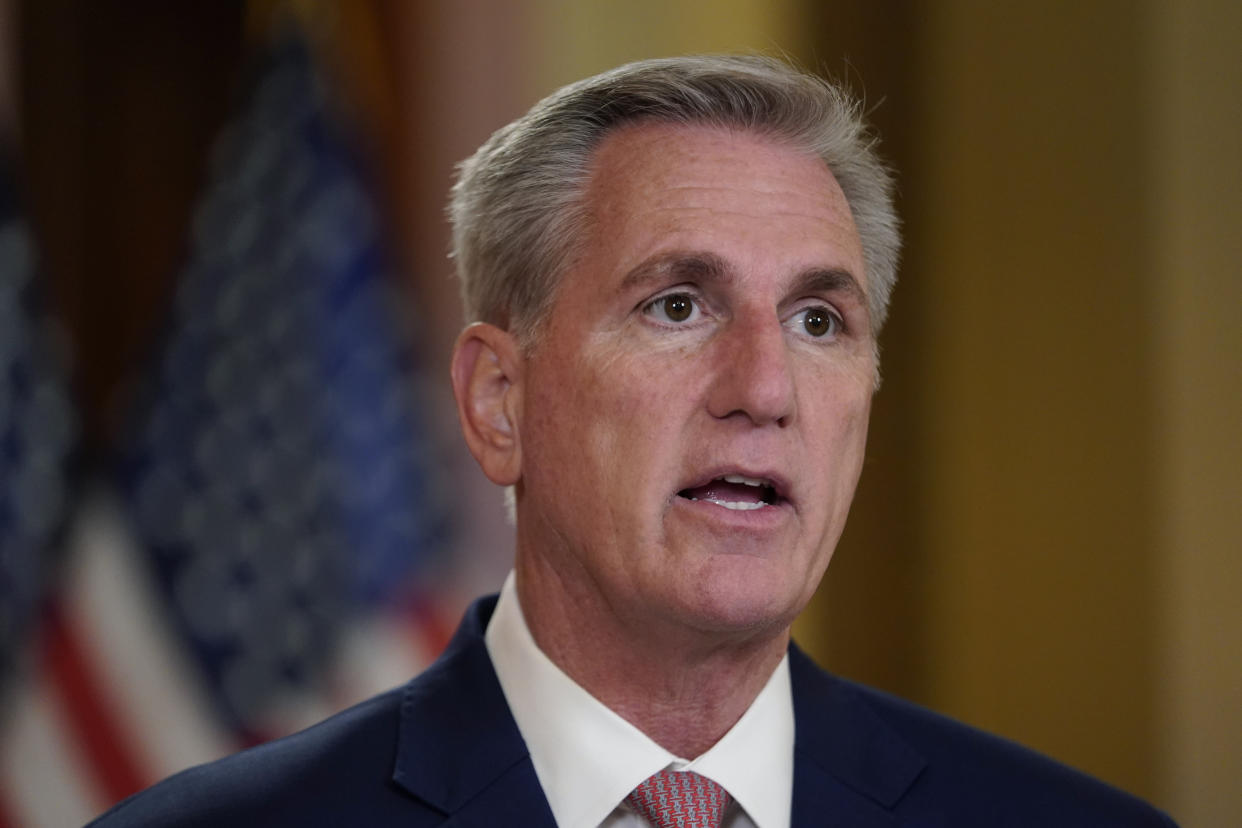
(678, 265)
(832, 280)
(708, 267)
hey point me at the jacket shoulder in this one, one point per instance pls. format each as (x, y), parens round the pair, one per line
(969, 777)
(401, 758)
(336, 772)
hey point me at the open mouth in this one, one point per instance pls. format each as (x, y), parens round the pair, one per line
(735, 491)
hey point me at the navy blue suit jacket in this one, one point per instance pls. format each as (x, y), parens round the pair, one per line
(444, 751)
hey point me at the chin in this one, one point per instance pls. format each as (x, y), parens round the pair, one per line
(741, 600)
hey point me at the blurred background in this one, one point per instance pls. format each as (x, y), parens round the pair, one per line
(232, 497)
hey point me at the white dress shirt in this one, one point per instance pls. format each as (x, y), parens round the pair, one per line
(588, 758)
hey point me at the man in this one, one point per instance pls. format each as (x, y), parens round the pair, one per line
(676, 273)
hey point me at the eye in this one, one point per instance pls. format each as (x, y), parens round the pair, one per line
(819, 321)
(674, 307)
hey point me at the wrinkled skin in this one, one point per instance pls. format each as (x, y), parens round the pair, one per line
(626, 403)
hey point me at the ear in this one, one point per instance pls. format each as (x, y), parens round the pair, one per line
(486, 368)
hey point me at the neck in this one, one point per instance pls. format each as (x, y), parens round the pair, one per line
(683, 688)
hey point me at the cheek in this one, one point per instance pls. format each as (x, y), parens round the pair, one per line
(622, 394)
(852, 453)
(554, 414)
(618, 433)
(582, 420)
(841, 426)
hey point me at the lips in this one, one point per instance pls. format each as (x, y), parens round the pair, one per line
(736, 491)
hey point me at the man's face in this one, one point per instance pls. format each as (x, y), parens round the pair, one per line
(695, 409)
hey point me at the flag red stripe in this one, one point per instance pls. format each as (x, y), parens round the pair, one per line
(83, 701)
(428, 619)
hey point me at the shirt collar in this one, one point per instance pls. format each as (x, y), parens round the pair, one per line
(588, 758)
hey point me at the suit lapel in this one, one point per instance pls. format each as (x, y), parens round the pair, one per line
(850, 768)
(459, 749)
(512, 799)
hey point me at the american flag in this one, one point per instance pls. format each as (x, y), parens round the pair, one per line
(38, 443)
(263, 558)
(38, 432)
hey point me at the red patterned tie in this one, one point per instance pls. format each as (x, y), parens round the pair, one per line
(680, 799)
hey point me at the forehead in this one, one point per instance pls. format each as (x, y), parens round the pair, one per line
(753, 200)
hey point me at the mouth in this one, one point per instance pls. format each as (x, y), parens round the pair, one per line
(737, 492)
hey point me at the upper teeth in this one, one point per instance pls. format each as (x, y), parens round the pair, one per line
(737, 478)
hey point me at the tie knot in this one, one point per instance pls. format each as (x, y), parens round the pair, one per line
(680, 799)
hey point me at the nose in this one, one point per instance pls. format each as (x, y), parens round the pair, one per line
(753, 372)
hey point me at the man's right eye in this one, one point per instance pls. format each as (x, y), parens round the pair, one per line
(673, 307)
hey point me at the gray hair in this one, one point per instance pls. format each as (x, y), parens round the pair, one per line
(517, 207)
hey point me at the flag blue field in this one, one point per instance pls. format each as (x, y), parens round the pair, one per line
(279, 471)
